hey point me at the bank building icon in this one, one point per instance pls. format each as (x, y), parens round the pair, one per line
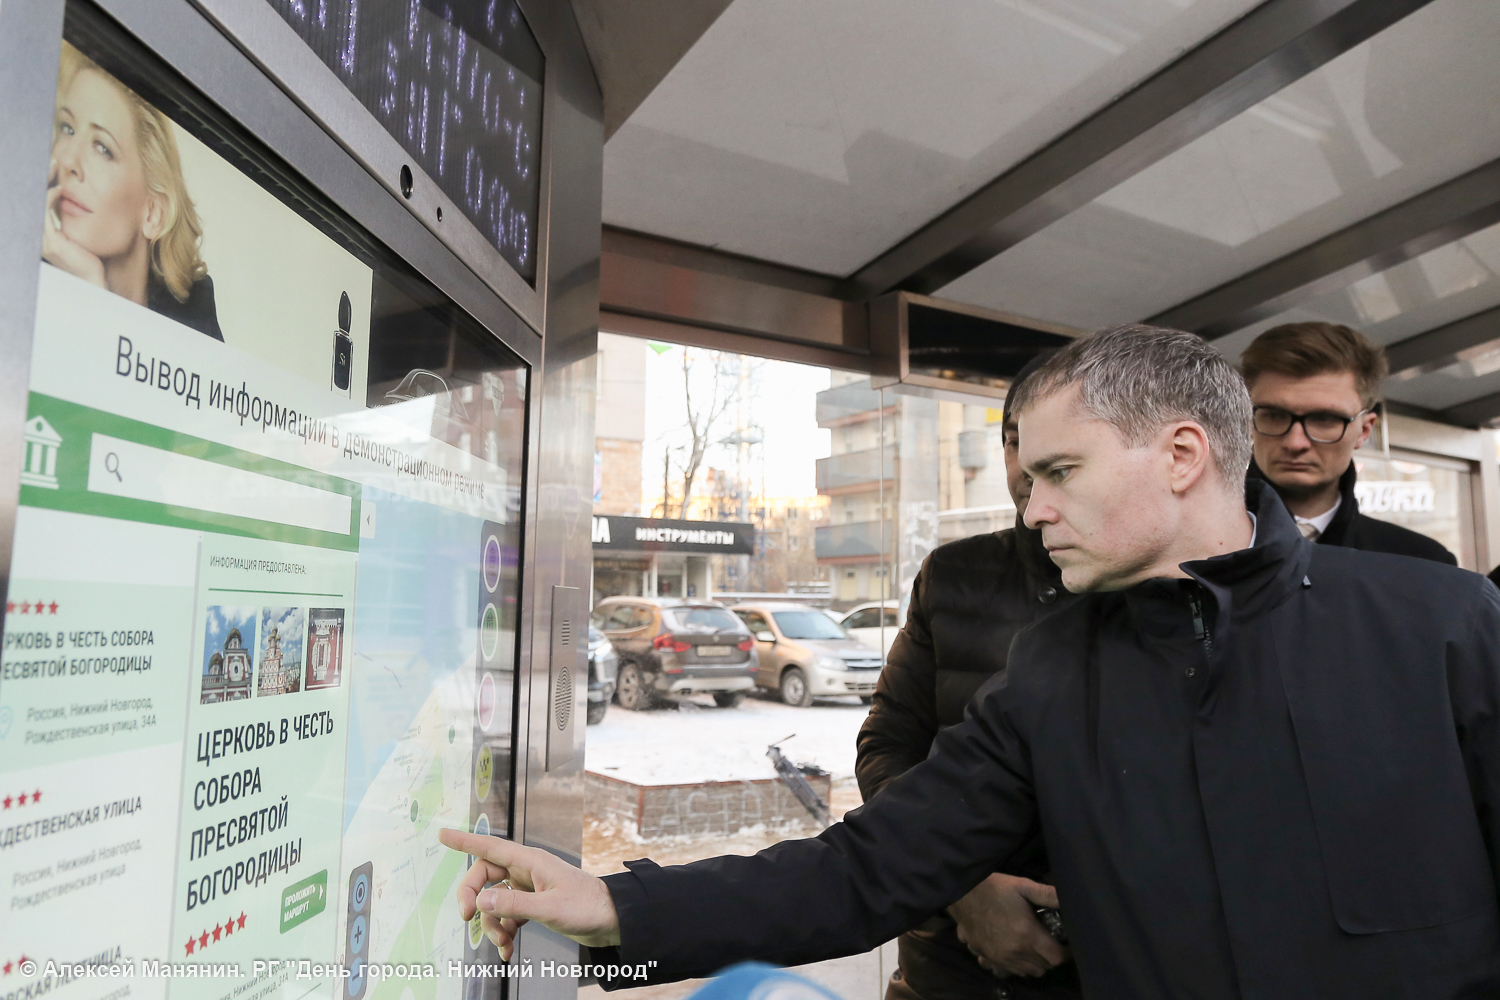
(42, 443)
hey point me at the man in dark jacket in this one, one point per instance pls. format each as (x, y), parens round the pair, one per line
(968, 602)
(1264, 769)
(1315, 389)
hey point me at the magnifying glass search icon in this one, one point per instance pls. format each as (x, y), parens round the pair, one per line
(112, 465)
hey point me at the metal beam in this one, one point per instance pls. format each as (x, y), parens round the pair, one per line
(1481, 412)
(1396, 408)
(799, 352)
(1463, 340)
(1277, 43)
(1435, 217)
(679, 293)
(668, 282)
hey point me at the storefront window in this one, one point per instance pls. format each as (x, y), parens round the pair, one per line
(1423, 493)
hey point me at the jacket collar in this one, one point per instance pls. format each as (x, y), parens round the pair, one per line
(1343, 519)
(1256, 579)
(1239, 585)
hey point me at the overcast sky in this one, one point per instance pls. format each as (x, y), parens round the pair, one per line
(781, 401)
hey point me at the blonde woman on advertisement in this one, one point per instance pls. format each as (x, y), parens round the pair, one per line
(118, 211)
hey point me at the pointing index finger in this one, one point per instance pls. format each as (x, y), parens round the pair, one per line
(500, 851)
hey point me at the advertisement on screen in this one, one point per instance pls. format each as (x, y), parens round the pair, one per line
(234, 708)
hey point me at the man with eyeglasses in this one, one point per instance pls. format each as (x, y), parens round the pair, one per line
(1315, 388)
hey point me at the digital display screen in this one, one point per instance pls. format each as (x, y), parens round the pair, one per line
(459, 85)
(260, 641)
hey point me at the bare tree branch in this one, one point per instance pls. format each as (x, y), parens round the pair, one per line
(700, 422)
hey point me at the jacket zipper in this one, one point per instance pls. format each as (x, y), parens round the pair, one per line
(1200, 627)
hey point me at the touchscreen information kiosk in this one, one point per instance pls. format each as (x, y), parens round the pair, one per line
(260, 641)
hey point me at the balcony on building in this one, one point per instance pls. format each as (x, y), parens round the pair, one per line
(861, 541)
(856, 471)
(843, 403)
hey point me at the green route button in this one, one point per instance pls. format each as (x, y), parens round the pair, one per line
(304, 900)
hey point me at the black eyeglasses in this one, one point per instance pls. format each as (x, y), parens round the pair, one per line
(1321, 427)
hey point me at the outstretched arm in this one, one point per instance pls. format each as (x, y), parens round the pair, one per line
(927, 839)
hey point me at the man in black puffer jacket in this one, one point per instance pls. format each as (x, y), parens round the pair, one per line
(968, 602)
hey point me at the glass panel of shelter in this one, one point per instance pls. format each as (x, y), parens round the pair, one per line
(1364, 132)
(905, 473)
(896, 476)
(961, 93)
(1425, 493)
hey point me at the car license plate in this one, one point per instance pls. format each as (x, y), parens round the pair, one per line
(715, 650)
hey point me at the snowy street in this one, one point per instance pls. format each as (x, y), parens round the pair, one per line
(701, 742)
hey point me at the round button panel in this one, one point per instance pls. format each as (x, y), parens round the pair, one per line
(360, 894)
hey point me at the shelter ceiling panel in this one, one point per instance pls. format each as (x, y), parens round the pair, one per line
(818, 135)
(1416, 105)
(1443, 389)
(1436, 288)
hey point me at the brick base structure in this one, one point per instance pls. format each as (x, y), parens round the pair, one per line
(713, 807)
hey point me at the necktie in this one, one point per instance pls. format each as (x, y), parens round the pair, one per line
(1309, 531)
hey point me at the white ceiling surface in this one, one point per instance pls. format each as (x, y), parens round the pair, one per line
(820, 134)
(1415, 106)
(1437, 288)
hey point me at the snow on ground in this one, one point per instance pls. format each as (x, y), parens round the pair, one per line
(701, 742)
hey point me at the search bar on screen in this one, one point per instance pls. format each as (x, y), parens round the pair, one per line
(137, 471)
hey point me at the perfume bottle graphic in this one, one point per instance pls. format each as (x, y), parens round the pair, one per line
(343, 348)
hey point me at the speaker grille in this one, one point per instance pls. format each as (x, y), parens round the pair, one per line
(565, 632)
(562, 697)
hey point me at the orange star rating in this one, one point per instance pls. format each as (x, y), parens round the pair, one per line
(32, 607)
(219, 931)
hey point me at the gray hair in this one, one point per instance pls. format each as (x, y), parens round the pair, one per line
(1140, 378)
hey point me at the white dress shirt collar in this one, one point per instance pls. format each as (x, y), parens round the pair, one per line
(1323, 520)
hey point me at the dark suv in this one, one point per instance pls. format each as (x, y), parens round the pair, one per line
(669, 648)
(604, 665)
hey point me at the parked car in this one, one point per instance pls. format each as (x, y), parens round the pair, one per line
(670, 647)
(805, 654)
(603, 668)
(863, 622)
